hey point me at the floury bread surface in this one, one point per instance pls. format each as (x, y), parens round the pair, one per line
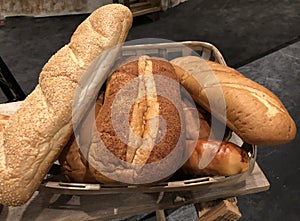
(36, 134)
(253, 112)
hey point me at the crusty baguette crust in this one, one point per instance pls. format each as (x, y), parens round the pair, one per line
(35, 135)
(253, 111)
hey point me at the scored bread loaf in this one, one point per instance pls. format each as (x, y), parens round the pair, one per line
(147, 135)
(253, 112)
(36, 134)
(155, 122)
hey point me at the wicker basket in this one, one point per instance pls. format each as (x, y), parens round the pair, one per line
(167, 50)
(171, 50)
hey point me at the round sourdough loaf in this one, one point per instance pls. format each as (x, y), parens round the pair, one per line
(139, 135)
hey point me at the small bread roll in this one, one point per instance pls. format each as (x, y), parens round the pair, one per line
(229, 160)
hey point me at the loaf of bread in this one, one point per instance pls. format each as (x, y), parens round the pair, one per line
(73, 158)
(253, 112)
(228, 160)
(139, 124)
(36, 134)
(3, 120)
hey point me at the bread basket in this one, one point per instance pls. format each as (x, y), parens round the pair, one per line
(167, 50)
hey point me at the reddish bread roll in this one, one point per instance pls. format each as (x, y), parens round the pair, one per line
(253, 112)
(229, 160)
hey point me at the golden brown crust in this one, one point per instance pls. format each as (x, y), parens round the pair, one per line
(229, 160)
(141, 76)
(38, 131)
(253, 112)
(74, 159)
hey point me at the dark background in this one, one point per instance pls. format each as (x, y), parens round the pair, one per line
(252, 35)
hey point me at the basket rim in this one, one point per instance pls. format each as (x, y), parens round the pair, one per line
(217, 54)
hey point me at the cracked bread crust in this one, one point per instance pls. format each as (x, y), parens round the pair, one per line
(143, 144)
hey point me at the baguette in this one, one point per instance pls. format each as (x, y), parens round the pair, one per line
(36, 134)
(253, 112)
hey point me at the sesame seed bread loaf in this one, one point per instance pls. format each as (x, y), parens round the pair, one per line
(36, 134)
(253, 112)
